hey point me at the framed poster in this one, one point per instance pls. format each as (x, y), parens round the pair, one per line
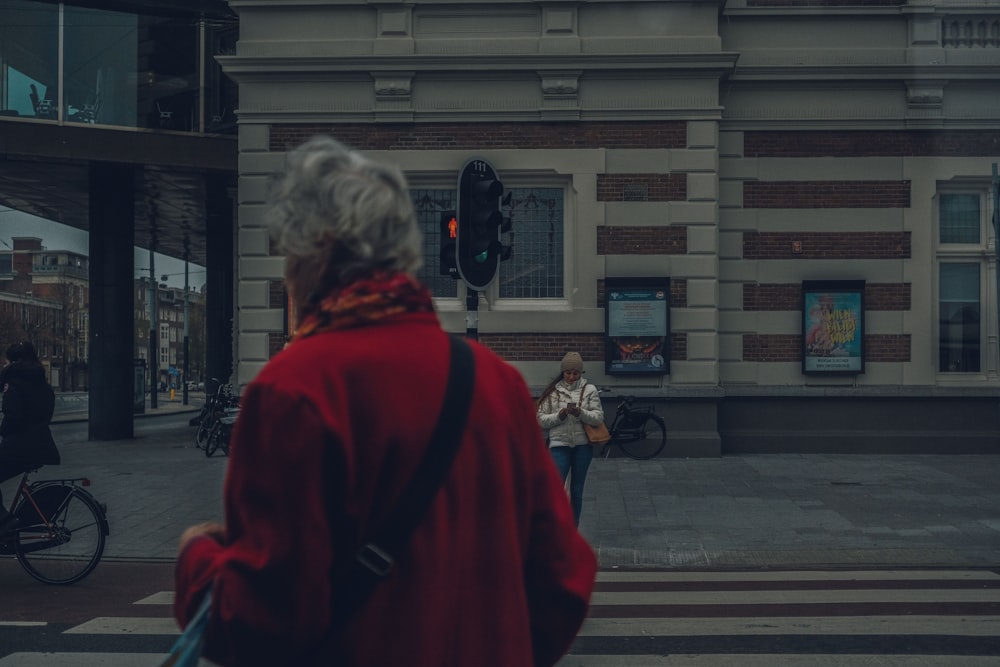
(833, 327)
(637, 326)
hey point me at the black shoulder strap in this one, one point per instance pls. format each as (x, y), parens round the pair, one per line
(375, 558)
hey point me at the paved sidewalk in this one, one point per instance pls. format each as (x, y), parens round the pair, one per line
(795, 510)
(754, 511)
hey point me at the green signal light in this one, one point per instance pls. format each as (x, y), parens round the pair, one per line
(482, 257)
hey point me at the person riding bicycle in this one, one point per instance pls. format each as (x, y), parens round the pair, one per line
(28, 404)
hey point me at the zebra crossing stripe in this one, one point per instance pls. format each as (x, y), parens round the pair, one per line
(132, 625)
(774, 659)
(617, 575)
(751, 619)
(126, 625)
(83, 660)
(162, 598)
(985, 626)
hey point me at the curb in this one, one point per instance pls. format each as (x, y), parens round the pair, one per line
(752, 559)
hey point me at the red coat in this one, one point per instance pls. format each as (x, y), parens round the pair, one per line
(328, 435)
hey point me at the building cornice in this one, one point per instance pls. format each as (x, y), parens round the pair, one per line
(271, 68)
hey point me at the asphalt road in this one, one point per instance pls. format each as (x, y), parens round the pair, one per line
(36, 618)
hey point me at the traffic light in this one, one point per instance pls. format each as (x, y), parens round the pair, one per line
(449, 238)
(479, 223)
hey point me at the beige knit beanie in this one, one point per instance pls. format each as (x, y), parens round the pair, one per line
(571, 362)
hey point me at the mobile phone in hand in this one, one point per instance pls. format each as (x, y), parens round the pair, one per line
(571, 405)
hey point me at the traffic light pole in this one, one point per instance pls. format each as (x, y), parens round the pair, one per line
(472, 314)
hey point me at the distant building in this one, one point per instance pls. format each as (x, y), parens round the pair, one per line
(45, 298)
(170, 345)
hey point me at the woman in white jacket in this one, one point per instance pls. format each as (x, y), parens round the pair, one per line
(564, 407)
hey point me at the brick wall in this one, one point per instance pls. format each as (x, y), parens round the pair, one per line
(788, 296)
(887, 347)
(545, 346)
(907, 143)
(644, 240)
(478, 136)
(641, 187)
(826, 245)
(826, 194)
(275, 343)
(276, 294)
(552, 347)
(770, 348)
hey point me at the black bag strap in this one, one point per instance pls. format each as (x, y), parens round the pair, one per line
(374, 560)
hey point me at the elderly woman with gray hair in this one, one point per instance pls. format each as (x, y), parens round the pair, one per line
(335, 427)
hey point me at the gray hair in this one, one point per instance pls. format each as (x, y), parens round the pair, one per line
(338, 216)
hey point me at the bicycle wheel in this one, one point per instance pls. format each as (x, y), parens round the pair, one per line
(648, 441)
(214, 439)
(67, 547)
(204, 429)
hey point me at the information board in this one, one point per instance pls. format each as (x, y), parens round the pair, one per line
(637, 326)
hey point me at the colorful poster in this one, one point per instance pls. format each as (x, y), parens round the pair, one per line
(833, 326)
(637, 317)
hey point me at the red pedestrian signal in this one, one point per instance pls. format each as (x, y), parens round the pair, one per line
(449, 236)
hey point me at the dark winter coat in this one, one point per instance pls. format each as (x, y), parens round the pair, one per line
(28, 404)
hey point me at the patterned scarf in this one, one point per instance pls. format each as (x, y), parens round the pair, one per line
(364, 301)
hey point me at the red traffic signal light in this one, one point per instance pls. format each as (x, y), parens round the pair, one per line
(449, 236)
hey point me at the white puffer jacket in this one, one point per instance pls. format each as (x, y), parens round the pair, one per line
(569, 432)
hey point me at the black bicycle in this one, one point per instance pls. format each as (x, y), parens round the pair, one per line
(218, 438)
(216, 405)
(638, 431)
(60, 529)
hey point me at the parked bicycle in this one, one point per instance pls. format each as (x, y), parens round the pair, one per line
(216, 405)
(218, 438)
(638, 431)
(60, 529)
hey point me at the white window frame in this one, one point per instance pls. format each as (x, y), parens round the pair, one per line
(492, 293)
(563, 303)
(983, 254)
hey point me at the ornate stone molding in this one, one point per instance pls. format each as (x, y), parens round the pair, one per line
(560, 85)
(393, 86)
(925, 94)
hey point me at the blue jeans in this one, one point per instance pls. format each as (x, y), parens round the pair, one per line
(575, 459)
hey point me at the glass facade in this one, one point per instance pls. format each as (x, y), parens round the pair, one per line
(66, 64)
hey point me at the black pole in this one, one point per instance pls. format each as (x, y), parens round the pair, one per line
(472, 314)
(996, 235)
(154, 329)
(186, 328)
